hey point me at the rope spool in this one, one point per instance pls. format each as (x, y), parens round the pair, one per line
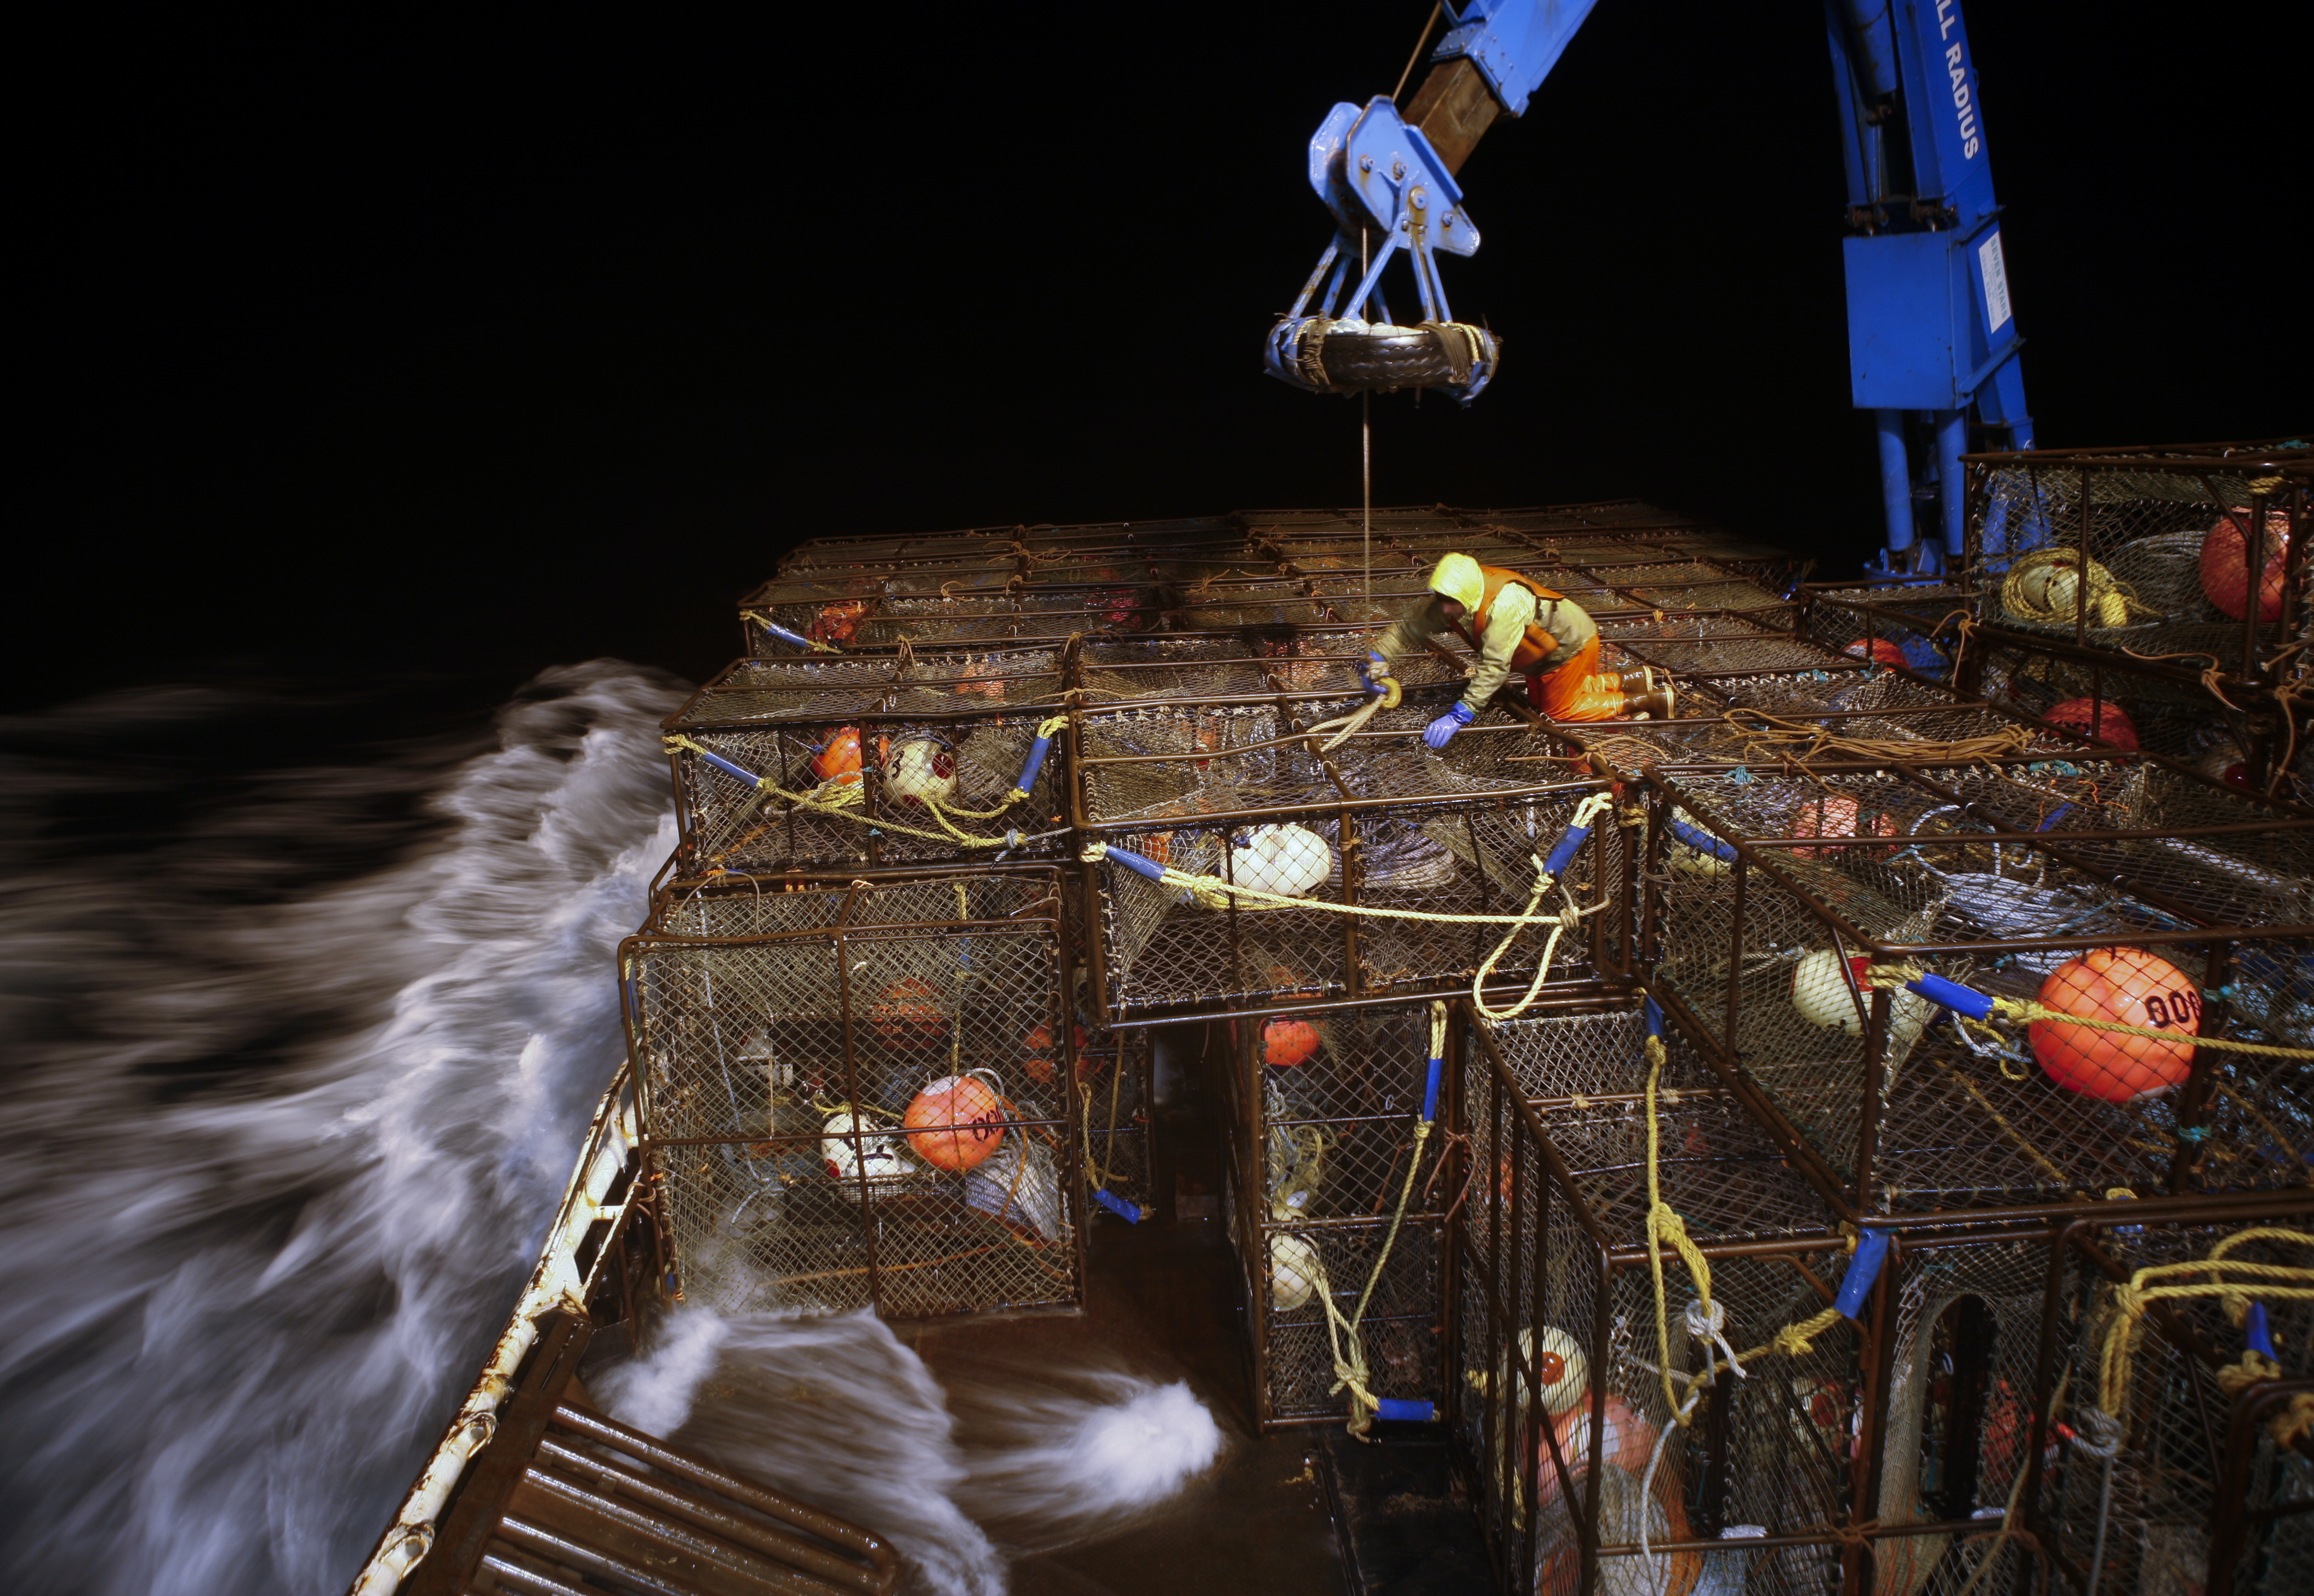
(2045, 589)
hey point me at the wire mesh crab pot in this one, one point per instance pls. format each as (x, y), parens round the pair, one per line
(889, 620)
(1895, 625)
(2149, 550)
(1324, 1105)
(1583, 1482)
(855, 1093)
(1238, 793)
(870, 760)
(1203, 668)
(2121, 892)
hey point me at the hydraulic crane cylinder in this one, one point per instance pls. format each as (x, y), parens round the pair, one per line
(1895, 477)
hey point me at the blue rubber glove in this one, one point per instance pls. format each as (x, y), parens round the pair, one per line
(1441, 731)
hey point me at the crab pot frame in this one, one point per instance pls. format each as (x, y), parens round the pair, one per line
(770, 726)
(758, 1012)
(1898, 625)
(914, 609)
(1235, 789)
(1764, 910)
(1902, 1446)
(2141, 517)
(1323, 1103)
(1552, 1289)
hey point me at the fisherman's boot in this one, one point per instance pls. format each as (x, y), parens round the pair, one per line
(1651, 701)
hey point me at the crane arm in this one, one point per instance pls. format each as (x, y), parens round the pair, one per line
(1932, 334)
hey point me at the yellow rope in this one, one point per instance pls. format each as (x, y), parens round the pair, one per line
(2288, 1283)
(1783, 738)
(2026, 593)
(1350, 1371)
(2026, 1011)
(1664, 1224)
(766, 622)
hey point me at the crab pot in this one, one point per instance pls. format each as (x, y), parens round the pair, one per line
(870, 760)
(2113, 889)
(2000, 1360)
(1891, 626)
(2172, 541)
(1559, 1407)
(1201, 669)
(837, 1095)
(1236, 789)
(1324, 1105)
(966, 614)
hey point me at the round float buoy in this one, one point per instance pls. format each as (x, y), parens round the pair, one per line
(1037, 1045)
(1295, 1275)
(2134, 987)
(2107, 723)
(1288, 859)
(2225, 563)
(1562, 1372)
(838, 759)
(908, 1014)
(1834, 815)
(1289, 1043)
(1821, 994)
(954, 1123)
(920, 770)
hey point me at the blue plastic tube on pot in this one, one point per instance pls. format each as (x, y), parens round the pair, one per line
(1863, 1269)
(1564, 854)
(729, 768)
(1430, 1091)
(1135, 863)
(1037, 752)
(1116, 1205)
(785, 636)
(1404, 1412)
(1703, 842)
(1952, 994)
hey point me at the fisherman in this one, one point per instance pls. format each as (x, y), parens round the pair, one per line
(1516, 624)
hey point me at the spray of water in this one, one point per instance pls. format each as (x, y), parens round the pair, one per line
(276, 1162)
(295, 1079)
(835, 1410)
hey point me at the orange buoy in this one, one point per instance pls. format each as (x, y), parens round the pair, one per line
(1038, 1046)
(2105, 722)
(2225, 563)
(954, 1123)
(838, 759)
(1883, 651)
(1289, 1043)
(2134, 987)
(908, 1014)
(1830, 815)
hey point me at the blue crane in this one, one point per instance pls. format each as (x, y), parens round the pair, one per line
(1932, 335)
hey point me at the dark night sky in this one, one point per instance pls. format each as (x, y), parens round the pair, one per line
(388, 342)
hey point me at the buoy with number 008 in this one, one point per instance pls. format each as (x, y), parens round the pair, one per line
(2132, 987)
(954, 1121)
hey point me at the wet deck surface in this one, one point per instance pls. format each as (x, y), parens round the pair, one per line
(1164, 1301)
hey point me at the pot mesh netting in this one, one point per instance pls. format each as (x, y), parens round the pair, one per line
(1531, 1341)
(1210, 790)
(856, 1096)
(861, 761)
(2174, 1437)
(2144, 528)
(1773, 976)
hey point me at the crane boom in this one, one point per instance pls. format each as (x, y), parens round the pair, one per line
(1932, 332)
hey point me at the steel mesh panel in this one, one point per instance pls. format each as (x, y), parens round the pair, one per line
(876, 772)
(750, 1049)
(786, 691)
(1197, 788)
(2144, 523)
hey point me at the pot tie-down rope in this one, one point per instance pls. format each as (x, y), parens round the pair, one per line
(2230, 1281)
(810, 645)
(843, 799)
(1780, 737)
(1704, 1319)
(1971, 1004)
(1211, 891)
(1343, 1339)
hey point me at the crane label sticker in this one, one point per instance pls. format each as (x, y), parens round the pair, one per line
(1996, 282)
